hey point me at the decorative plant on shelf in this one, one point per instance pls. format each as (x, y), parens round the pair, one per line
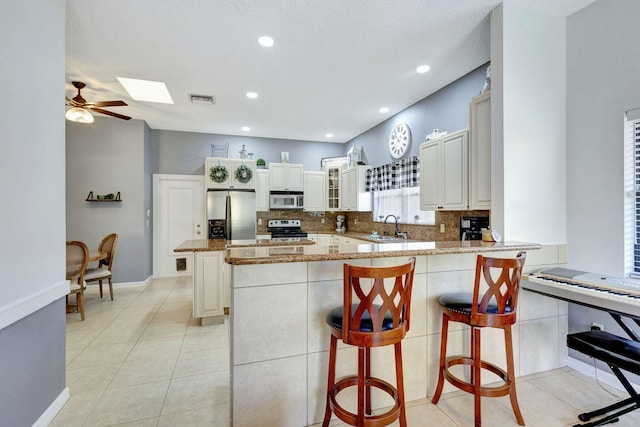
(261, 163)
(219, 173)
(243, 174)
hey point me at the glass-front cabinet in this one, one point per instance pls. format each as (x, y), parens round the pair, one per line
(334, 177)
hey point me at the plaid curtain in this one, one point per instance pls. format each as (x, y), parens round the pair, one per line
(401, 174)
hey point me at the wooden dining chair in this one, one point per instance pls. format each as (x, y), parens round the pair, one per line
(77, 260)
(104, 271)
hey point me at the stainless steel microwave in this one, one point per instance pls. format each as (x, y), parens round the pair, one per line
(286, 200)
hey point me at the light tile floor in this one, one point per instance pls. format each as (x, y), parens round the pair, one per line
(142, 360)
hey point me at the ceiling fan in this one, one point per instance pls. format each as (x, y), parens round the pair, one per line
(79, 111)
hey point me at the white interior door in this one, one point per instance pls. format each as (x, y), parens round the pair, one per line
(178, 205)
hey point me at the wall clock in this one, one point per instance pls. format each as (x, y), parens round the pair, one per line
(399, 140)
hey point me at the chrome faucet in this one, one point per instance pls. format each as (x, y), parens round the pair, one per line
(396, 220)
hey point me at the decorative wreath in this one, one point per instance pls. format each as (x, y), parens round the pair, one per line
(219, 173)
(243, 174)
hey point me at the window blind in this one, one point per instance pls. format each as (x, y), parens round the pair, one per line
(635, 130)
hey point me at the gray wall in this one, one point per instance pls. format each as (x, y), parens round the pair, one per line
(106, 157)
(602, 76)
(32, 254)
(32, 368)
(184, 152)
(445, 110)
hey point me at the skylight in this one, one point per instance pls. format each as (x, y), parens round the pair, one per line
(146, 90)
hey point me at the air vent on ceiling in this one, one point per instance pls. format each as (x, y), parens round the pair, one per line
(203, 99)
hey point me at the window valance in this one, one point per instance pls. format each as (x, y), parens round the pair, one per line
(401, 174)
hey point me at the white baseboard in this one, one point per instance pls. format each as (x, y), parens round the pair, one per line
(133, 284)
(596, 373)
(50, 413)
(32, 303)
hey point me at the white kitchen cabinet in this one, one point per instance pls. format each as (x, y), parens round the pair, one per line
(480, 152)
(209, 286)
(227, 173)
(333, 187)
(339, 239)
(314, 189)
(325, 240)
(354, 196)
(262, 190)
(444, 173)
(313, 237)
(286, 177)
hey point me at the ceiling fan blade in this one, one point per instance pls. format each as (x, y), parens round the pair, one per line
(109, 113)
(110, 104)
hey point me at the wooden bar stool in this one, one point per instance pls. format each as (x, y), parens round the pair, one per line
(496, 308)
(377, 317)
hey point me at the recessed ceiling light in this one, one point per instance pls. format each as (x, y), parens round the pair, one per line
(246, 128)
(328, 135)
(265, 41)
(384, 110)
(423, 69)
(146, 90)
(252, 95)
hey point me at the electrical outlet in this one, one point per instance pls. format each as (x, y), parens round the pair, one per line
(355, 221)
(259, 221)
(322, 221)
(442, 228)
(595, 326)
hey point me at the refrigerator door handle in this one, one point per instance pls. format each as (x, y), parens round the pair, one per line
(227, 223)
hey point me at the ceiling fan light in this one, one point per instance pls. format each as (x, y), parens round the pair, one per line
(78, 115)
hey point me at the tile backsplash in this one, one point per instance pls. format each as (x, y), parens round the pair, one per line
(362, 222)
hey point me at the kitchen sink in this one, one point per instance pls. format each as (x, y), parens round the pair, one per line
(385, 239)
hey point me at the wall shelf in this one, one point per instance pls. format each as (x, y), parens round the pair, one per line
(90, 198)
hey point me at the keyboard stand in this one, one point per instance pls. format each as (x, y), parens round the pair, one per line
(618, 353)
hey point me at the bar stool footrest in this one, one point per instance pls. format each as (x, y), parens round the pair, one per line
(370, 420)
(493, 391)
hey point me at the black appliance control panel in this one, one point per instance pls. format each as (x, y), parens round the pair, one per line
(216, 228)
(472, 226)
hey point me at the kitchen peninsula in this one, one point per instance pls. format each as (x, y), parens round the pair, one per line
(279, 339)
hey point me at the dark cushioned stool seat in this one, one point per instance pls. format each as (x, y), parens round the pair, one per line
(334, 319)
(609, 348)
(461, 302)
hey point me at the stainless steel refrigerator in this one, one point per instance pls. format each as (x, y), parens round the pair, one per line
(231, 214)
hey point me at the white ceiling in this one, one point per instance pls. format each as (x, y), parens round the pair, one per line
(333, 65)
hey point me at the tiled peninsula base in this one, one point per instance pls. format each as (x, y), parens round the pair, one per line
(280, 342)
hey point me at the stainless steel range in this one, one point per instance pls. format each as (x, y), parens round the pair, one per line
(285, 230)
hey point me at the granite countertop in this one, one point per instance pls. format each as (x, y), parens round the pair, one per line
(283, 254)
(207, 245)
